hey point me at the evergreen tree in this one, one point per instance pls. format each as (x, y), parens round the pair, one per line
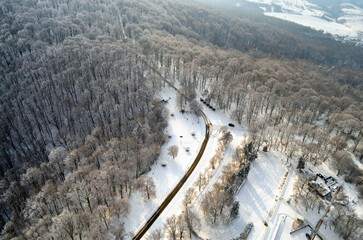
(301, 164)
(250, 152)
(234, 210)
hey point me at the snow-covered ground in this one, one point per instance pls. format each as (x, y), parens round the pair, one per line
(210, 231)
(218, 120)
(286, 213)
(180, 128)
(347, 25)
(257, 198)
(348, 188)
(317, 23)
(298, 6)
(263, 198)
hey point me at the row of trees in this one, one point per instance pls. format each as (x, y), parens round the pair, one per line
(203, 178)
(218, 203)
(182, 226)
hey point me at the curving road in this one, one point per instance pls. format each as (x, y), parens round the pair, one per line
(171, 195)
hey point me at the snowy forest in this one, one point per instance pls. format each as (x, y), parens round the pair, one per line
(81, 123)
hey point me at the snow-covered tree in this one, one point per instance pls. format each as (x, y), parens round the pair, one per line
(201, 181)
(301, 163)
(227, 137)
(173, 151)
(193, 221)
(147, 187)
(250, 152)
(171, 227)
(189, 196)
(234, 210)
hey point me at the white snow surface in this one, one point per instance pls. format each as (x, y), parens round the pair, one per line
(263, 198)
(302, 6)
(218, 120)
(165, 178)
(348, 25)
(317, 23)
(257, 198)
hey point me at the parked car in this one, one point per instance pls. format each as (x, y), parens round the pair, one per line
(164, 164)
(231, 124)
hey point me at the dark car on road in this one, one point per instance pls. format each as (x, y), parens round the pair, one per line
(231, 124)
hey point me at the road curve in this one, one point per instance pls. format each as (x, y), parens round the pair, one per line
(171, 195)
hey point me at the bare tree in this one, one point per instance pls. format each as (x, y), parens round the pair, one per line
(348, 225)
(299, 185)
(182, 227)
(189, 196)
(147, 186)
(173, 151)
(157, 234)
(200, 182)
(195, 107)
(210, 206)
(342, 161)
(56, 160)
(338, 143)
(119, 232)
(120, 208)
(193, 221)
(171, 227)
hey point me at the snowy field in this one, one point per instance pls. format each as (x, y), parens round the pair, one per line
(166, 178)
(349, 23)
(211, 231)
(257, 199)
(317, 23)
(302, 6)
(218, 120)
(263, 198)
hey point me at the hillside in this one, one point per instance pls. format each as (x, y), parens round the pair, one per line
(84, 126)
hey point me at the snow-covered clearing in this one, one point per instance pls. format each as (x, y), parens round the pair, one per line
(215, 231)
(218, 120)
(302, 6)
(257, 198)
(317, 23)
(348, 24)
(264, 197)
(180, 128)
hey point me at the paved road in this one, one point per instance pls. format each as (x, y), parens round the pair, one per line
(171, 195)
